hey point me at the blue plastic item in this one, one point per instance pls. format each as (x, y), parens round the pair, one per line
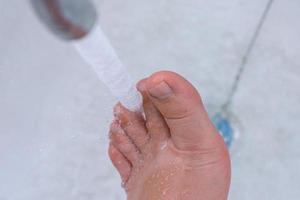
(224, 127)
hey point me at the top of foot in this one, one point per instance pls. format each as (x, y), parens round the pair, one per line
(172, 151)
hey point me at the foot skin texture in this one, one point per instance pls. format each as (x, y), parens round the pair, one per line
(172, 151)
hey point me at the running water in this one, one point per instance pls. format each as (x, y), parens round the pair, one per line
(77, 21)
(98, 52)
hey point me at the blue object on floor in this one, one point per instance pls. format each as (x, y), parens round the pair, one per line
(224, 127)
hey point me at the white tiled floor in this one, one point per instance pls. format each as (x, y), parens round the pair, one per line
(54, 113)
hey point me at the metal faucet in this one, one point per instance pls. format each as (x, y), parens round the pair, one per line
(68, 19)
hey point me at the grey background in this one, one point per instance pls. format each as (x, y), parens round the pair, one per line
(54, 113)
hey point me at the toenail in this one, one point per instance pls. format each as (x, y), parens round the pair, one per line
(117, 110)
(141, 86)
(116, 128)
(161, 91)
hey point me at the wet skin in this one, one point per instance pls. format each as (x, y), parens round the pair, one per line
(173, 151)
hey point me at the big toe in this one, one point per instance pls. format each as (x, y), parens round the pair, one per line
(183, 110)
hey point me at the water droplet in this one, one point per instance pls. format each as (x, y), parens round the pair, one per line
(164, 145)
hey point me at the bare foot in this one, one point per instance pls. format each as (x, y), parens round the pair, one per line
(173, 154)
